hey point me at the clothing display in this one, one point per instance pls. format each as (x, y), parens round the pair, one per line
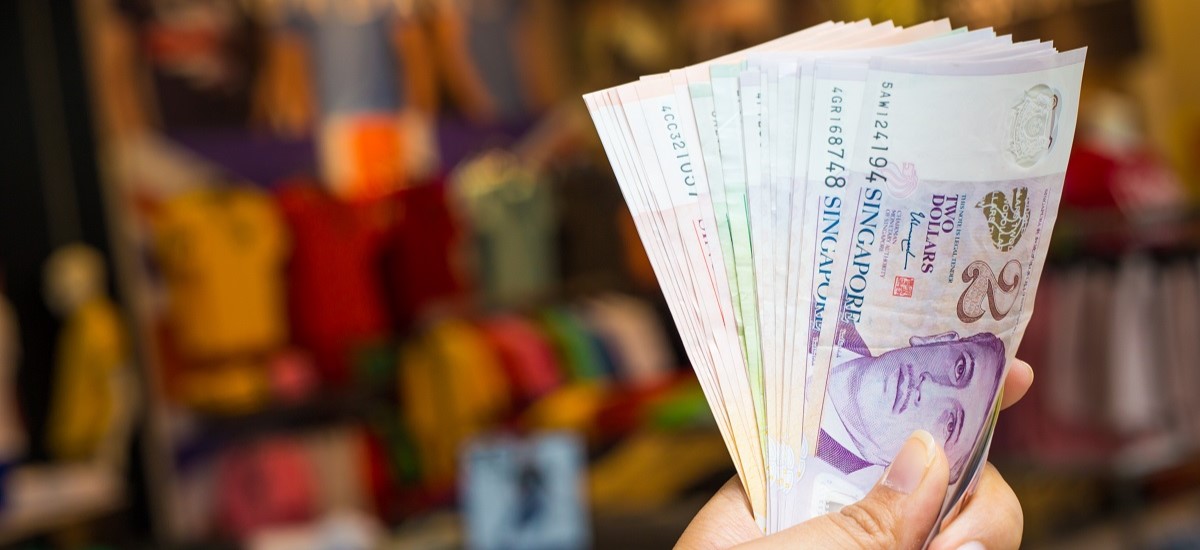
(459, 378)
(374, 283)
(493, 29)
(421, 409)
(93, 399)
(278, 304)
(90, 351)
(424, 265)
(349, 45)
(451, 387)
(222, 251)
(1132, 180)
(232, 387)
(643, 355)
(336, 299)
(574, 407)
(1135, 391)
(528, 359)
(362, 156)
(361, 139)
(1113, 344)
(1068, 292)
(577, 350)
(1177, 339)
(201, 55)
(264, 485)
(293, 376)
(510, 211)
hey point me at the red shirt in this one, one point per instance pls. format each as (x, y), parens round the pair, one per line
(335, 295)
(425, 257)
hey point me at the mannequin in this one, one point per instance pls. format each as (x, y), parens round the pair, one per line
(89, 416)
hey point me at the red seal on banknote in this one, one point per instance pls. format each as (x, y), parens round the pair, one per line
(903, 287)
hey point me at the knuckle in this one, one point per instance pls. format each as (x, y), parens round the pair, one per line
(870, 524)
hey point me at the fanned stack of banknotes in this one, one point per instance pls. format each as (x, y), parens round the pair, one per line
(849, 224)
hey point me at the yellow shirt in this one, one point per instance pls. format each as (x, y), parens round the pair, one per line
(222, 251)
(452, 387)
(91, 348)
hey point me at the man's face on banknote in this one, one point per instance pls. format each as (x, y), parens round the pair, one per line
(942, 384)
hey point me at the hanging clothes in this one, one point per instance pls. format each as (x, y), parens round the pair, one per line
(263, 485)
(511, 214)
(92, 348)
(1114, 345)
(424, 262)
(1065, 380)
(231, 387)
(634, 332)
(493, 29)
(451, 386)
(222, 251)
(528, 359)
(1094, 365)
(573, 407)
(1178, 298)
(1134, 394)
(355, 68)
(577, 351)
(336, 300)
(201, 55)
(360, 80)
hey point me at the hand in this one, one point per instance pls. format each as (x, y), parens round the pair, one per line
(899, 512)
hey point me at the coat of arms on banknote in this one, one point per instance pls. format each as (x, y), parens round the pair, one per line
(1034, 125)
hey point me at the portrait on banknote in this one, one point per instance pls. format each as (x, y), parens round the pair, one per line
(945, 384)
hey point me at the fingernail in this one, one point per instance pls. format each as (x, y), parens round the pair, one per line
(973, 545)
(1023, 365)
(908, 469)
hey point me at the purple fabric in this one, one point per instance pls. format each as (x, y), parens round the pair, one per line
(459, 139)
(265, 159)
(261, 158)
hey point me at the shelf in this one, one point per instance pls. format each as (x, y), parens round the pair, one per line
(205, 434)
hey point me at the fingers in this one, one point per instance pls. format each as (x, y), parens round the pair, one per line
(724, 522)
(899, 511)
(991, 518)
(1020, 377)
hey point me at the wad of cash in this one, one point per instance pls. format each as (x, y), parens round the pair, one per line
(849, 224)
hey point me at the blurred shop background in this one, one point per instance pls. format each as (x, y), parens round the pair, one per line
(316, 274)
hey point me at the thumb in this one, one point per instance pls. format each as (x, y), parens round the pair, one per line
(899, 512)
